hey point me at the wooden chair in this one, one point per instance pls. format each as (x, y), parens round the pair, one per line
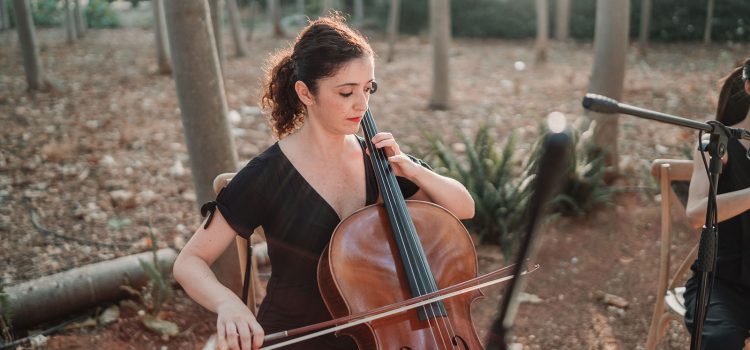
(669, 291)
(242, 249)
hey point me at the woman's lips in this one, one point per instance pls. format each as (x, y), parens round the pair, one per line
(356, 119)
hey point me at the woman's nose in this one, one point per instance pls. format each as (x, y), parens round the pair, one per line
(361, 103)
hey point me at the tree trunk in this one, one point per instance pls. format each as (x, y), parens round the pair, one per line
(644, 31)
(4, 20)
(252, 14)
(215, 6)
(393, 19)
(562, 20)
(301, 6)
(160, 30)
(440, 28)
(203, 106)
(237, 33)
(79, 19)
(32, 64)
(274, 15)
(59, 295)
(608, 74)
(70, 23)
(709, 22)
(542, 30)
(359, 11)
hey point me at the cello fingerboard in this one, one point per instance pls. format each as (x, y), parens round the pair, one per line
(416, 268)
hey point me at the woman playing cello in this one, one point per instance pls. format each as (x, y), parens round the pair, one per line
(301, 187)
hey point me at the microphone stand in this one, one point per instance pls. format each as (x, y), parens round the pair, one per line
(716, 148)
(555, 153)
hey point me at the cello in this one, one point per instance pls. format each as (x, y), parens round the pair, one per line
(390, 252)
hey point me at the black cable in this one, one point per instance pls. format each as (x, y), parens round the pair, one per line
(47, 331)
(48, 232)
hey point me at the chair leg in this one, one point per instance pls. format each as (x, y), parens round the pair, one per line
(656, 329)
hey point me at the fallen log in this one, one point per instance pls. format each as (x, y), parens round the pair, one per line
(55, 296)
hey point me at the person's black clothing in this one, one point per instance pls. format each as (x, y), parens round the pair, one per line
(728, 317)
(298, 224)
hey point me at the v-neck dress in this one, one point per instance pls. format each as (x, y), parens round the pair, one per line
(298, 223)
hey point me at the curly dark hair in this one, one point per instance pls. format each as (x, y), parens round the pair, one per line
(321, 48)
(734, 101)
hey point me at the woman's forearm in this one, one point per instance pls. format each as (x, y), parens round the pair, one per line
(200, 283)
(729, 205)
(445, 192)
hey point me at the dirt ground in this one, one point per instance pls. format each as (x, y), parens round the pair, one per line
(102, 157)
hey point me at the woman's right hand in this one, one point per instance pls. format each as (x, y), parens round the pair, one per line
(236, 327)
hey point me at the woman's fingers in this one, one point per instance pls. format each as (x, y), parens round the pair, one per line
(221, 337)
(393, 148)
(246, 337)
(381, 136)
(258, 334)
(232, 339)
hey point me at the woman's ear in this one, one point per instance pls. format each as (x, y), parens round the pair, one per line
(304, 93)
(747, 86)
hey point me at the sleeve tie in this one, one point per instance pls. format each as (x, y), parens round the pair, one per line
(208, 208)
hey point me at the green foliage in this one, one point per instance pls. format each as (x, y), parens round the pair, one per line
(671, 20)
(99, 14)
(47, 13)
(583, 189)
(158, 290)
(499, 190)
(493, 18)
(502, 187)
(676, 20)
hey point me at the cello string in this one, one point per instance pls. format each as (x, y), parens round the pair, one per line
(389, 199)
(430, 280)
(370, 129)
(378, 155)
(381, 163)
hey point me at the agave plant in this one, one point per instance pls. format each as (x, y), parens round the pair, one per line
(498, 188)
(583, 188)
(501, 189)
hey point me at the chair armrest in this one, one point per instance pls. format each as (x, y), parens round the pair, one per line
(679, 169)
(222, 180)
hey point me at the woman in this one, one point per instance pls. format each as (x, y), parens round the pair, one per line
(728, 318)
(300, 188)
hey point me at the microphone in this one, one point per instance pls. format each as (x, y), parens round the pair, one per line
(600, 103)
(556, 152)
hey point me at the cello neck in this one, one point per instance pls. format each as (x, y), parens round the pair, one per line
(416, 268)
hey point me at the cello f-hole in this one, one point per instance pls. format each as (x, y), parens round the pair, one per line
(455, 340)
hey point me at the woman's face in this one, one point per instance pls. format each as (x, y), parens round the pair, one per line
(342, 99)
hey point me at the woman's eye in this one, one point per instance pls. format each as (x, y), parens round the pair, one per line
(346, 94)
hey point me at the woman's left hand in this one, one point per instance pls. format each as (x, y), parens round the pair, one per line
(402, 165)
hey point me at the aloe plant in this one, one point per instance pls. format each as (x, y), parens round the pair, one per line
(498, 188)
(584, 188)
(502, 189)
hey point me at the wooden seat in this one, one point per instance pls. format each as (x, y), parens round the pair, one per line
(257, 238)
(669, 289)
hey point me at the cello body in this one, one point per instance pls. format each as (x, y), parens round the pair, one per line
(361, 270)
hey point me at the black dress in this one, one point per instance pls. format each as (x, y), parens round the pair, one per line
(298, 224)
(728, 317)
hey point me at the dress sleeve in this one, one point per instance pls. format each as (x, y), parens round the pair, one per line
(409, 188)
(241, 202)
